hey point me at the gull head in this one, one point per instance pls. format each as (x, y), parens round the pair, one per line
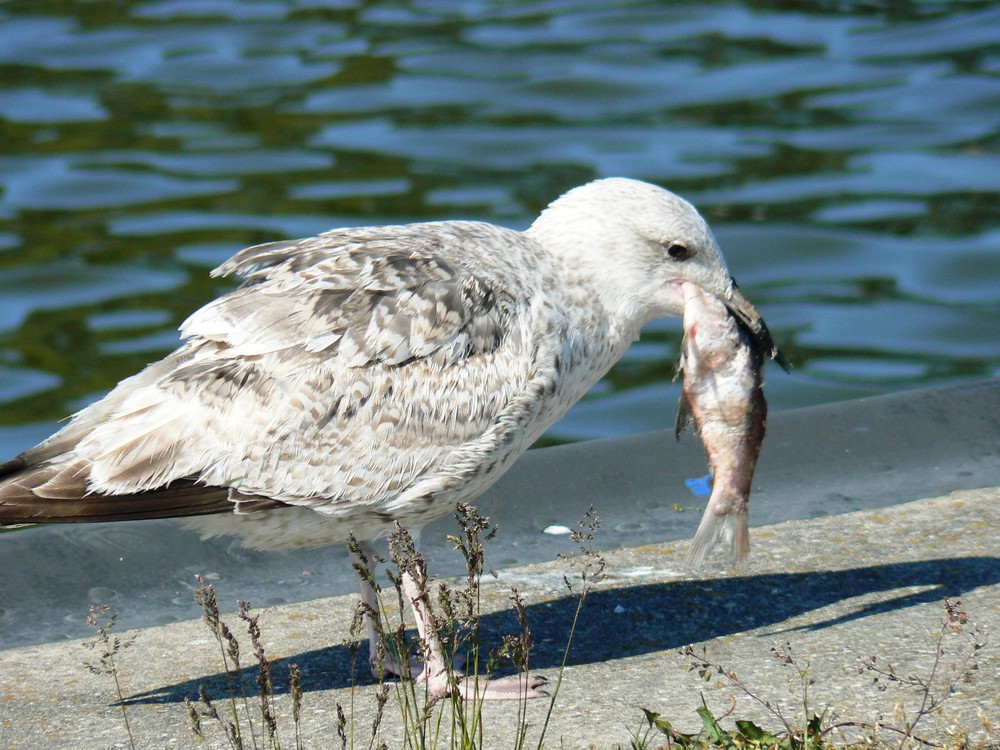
(640, 243)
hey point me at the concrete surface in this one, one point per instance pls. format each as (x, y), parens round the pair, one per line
(816, 461)
(837, 589)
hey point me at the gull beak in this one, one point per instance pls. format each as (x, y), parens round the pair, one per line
(744, 312)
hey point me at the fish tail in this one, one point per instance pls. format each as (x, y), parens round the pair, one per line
(731, 528)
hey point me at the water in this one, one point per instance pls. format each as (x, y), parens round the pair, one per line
(847, 157)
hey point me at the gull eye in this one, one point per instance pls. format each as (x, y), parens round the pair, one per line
(678, 251)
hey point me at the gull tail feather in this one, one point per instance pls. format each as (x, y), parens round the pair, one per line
(57, 493)
(731, 528)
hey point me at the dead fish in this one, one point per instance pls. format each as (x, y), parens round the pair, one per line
(722, 362)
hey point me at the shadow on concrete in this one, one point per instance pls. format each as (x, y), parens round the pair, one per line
(656, 617)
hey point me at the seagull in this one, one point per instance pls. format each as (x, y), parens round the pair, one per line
(368, 377)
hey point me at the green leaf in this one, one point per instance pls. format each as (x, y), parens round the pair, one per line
(755, 734)
(815, 725)
(750, 730)
(713, 731)
(655, 720)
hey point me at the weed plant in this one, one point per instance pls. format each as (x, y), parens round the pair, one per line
(958, 638)
(247, 714)
(248, 718)
(455, 614)
(109, 648)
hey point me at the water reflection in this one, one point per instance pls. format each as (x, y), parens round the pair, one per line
(846, 154)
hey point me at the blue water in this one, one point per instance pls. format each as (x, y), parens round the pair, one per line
(847, 155)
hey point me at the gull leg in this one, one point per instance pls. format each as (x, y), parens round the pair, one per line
(381, 661)
(436, 675)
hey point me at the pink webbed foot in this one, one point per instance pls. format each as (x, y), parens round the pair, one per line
(442, 682)
(519, 687)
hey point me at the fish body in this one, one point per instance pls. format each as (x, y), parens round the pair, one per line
(723, 393)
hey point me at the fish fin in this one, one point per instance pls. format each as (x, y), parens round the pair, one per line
(731, 528)
(778, 356)
(683, 418)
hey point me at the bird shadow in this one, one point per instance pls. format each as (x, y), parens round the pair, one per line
(617, 623)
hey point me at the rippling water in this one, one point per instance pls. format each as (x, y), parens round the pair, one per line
(846, 153)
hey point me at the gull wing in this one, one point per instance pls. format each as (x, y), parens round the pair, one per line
(347, 370)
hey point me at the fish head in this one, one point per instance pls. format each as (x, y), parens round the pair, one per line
(729, 295)
(752, 321)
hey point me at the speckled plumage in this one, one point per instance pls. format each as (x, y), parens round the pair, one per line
(377, 374)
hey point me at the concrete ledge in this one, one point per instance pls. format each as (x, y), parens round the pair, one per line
(839, 588)
(819, 461)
